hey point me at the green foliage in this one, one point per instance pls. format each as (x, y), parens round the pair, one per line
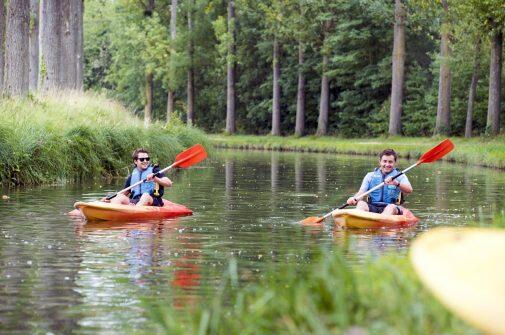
(327, 296)
(74, 137)
(122, 44)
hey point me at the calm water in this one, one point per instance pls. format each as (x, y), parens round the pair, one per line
(59, 275)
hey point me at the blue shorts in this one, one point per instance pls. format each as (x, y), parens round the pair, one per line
(379, 208)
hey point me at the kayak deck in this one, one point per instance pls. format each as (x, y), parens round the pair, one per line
(355, 218)
(94, 211)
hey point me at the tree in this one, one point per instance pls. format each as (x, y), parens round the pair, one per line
(276, 94)
(491, 16)
(79, 75)
(148, 108)
(34, 44)
(69, 43)
(472, 91)
(191, 75)
(2, 43)
(443, 120)
(300, 94)
(173, 35)
(398, 70)
(230, 69)
(495, 71)
(50, 45)
(324, 101)
(17, 64)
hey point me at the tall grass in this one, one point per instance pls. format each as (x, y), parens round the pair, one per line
(71, 136)
(328, 296)
(482, 151)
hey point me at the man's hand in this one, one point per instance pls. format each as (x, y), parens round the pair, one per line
(389, 181)
(352, 201)
(150, 177)
(104, 199)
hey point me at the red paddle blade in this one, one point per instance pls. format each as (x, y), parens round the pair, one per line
(190, 156)
(312, 220)
(437, 152)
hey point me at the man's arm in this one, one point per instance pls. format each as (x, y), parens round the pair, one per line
(401, 182)
(363, 188)
(159, 178)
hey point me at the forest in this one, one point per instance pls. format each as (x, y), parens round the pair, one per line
(281, 67)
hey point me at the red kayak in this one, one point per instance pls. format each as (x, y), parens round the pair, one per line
(93, 211)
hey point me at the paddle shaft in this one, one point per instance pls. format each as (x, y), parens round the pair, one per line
(372, 189)
(176, 163)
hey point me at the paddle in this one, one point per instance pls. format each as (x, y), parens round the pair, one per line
(185, 159)
(434, 154)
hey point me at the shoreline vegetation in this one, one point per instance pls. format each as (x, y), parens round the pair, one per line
(71, 136)
(479, 151)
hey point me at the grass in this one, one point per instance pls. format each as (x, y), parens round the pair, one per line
(481, 151)
(71, 136)
(326, 296)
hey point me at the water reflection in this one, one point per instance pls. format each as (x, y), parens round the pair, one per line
(62, 276)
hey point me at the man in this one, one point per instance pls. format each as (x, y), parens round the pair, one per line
(148, 193)
(383, 200)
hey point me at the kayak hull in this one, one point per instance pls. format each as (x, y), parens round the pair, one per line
(355, 218)
(463, 268)
(94, 211)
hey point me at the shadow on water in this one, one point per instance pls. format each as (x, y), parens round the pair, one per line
(60, 275)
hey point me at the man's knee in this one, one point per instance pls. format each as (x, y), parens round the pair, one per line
(362, 205)
(391, 209)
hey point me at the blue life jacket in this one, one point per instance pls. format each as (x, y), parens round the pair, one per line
(387, 194)
(147, 187)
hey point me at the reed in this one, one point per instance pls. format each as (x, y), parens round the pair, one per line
(70, 136)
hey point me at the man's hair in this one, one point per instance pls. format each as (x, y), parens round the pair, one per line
(388, 152)
(136, 153)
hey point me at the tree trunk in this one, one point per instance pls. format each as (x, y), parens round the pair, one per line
(191, 76)
(50, 45)
(398, 69)
(493, 107)
(276, 100)
(443, 121)
(472, 92)
(79, 75)
(68, 65)
(173, 35)
(148, 108)
(34, 45)
(2, 43)
(230, 76)
(17, 59)
(322, 122)
(300, 98)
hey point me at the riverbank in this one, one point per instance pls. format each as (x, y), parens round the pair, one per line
(488, 152)
(71, 136)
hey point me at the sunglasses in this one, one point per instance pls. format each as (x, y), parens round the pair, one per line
(143, 159)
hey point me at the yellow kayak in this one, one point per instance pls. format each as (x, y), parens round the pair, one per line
(464, 268)
(355, 218)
